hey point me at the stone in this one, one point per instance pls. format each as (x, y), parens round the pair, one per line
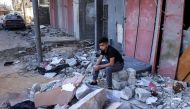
(132, 76)
(71, 62)
(85, 63)
(35, 88)
(139, 104)
(120, 76)
(118, 85)
(142, 94)
(50, 75)
(94, 100)
(127, 93)
(186, 107)
(151, 100)
(82, 91)
(125, 105)
(114, 105)
(61, 107)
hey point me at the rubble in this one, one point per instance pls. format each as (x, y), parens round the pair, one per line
(94, 100)
(151, 100)
(82, 91)
(132, 76)
(142, 94)
(127, 93)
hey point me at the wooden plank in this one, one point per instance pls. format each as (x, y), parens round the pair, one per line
(183, 68)
(171, 41)
(131, 26)
(145, 30)
(153, 59)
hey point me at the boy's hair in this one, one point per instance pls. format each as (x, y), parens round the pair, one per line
(103, 40)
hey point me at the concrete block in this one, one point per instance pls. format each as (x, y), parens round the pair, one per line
(127, 93)
(82, 91)
(132, 76)
(142, 94)
(125, 105)
(71, 62)
(120, 76)
(151, 100)
(94, 100)
(114, 105)
(119, 85)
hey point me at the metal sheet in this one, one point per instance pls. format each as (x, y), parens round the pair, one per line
(171, 42)
(131, 26)
(145, 30)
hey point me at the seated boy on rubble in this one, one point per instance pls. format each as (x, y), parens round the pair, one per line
(114, 62)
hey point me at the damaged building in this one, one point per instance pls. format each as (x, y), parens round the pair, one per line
(153, 37)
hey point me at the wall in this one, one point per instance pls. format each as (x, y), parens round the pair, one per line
(115, 17)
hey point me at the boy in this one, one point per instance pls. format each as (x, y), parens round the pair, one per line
(114, 62)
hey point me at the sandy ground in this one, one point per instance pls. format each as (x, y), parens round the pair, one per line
(9, 40)
(13, 81)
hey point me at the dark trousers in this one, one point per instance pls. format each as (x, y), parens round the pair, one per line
(109, 70)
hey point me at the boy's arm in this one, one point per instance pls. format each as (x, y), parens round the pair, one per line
(111, 63)
(99, 60)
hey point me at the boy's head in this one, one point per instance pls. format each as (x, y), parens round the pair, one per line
(103, 43)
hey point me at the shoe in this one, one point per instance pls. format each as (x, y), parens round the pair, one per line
(93, 83)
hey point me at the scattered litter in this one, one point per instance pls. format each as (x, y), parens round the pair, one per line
(8, 63)
(68, 87)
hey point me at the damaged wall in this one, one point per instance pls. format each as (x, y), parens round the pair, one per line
(115, 19)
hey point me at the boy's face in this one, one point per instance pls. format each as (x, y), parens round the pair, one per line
(103, 46)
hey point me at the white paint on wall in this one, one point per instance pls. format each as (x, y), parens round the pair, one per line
(120, 33)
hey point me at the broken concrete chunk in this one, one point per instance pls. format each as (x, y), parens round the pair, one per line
(125, 105)
(120, 76)
(151, 100)
(132, 76)
(56, 60)
(85, 63)
(61, 107)
(142, 94)
(119, 85)
(53, 97)
(127, 93)
(114, 105)
(94, 100)
(82, 91)
(71, 62)
(50, 75)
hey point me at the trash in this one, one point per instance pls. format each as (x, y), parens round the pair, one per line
(68, 87)
(8, 63)
(42, 26)
(71, 62)
(56, 60)
(24, 105)
(178, 87)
